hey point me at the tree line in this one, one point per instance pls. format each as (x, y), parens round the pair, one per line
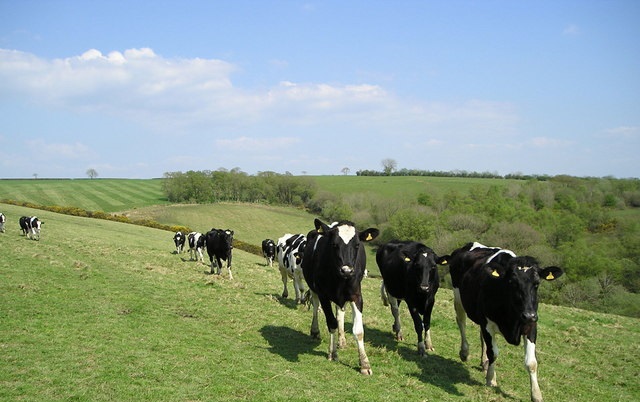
(588, 226)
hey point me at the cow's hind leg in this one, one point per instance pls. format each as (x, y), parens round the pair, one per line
(315, 302)
(461, 320)
(358, 333)
(285, 278)
(394, 304)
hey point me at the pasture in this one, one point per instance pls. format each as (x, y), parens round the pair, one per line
(99, 310)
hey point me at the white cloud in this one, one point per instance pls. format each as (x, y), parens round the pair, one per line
(623, 132)
(546, 142)
(256, 145)
(572, 30)
(187, 95)
(41, 150)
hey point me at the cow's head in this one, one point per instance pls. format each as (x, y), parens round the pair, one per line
(520, 277)
(344, 246)
(227, 237)
(423, 269)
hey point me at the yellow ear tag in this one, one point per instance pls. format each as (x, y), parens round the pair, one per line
(319, 230)
(369, 237)
(443, 262)
(495, 273)
(550, 277)
(407, 259)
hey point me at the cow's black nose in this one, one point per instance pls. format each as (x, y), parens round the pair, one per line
(529, 317)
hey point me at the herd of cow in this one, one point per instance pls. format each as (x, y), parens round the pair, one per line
(30, 226)
(493, 287)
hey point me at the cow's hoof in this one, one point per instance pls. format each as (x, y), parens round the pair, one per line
(464, 355)
(315, 335)
(366, 371)
(333, 357)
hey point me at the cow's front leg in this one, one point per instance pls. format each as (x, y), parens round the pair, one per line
(531, 363)
(461, 320)
(229, 265)
(492, 355)
(427, 326)
(419, 327)
(358, 333)
(342, 340)
(332, 326)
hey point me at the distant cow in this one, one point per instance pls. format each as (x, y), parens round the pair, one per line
(30, 226)
(179, 239)
(409, 272)
(499, 292)
(196, 244)
(219, 245)
(3, 219)
(333, 266)
(269, 251)
(290, 251)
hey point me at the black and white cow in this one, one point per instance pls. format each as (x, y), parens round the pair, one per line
(219, 245)
(410, 272)
(269, 251)
(498, 291)
(290, 251)
(333, 266)
(179, 239)
(3, 219)
(196, 244)
(31, 226)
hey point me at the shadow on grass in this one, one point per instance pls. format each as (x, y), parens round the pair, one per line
(434, 369)
(286, 302)
(289, 343)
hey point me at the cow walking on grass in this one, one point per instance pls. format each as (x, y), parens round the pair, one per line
(410, 272)
(333, 266)
(31, 226)
(3, 219)
(290, 251)
(498, 291)
(219, 247)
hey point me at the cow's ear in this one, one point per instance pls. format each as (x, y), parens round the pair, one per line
(550, 273)
(444, 260)
(369, 234)
(321, 227)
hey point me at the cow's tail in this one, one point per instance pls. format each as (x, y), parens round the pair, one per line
(383, 295)
(306, 299)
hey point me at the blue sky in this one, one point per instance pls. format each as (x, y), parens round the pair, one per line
(135, 89)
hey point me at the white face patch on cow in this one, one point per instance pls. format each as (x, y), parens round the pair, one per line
(346, 233)
(525, 269)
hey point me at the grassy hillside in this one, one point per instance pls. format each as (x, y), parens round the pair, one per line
(405, 186)
(99, 310)
(107, 195)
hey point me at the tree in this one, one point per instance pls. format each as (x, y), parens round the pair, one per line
(345, 171)
(92, 173)
(389, 166)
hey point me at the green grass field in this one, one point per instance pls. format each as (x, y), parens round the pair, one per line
(99, 310)
(107, 195)
(404, 186)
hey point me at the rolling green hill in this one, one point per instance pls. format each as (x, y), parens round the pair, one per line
(107, 195)
(99, 310)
